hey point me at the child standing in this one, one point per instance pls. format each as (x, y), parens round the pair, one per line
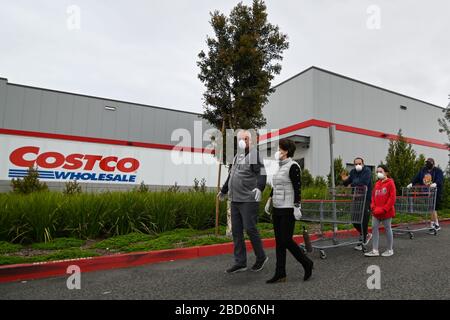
(383, 210)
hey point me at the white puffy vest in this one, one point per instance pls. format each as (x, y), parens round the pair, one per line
(283, 192)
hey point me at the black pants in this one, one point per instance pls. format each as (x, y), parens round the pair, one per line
(365, 223)
(283, 225)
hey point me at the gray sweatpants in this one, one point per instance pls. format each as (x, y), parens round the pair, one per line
(244, 216)
(376, 234)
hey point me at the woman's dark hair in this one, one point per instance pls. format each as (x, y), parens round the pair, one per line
(385, 169)
(287, 145)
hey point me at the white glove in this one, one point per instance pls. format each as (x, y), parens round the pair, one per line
(297, 213)
(409, 185)
(433, 185)
(258, 194)
(221, 196)
(267, 207)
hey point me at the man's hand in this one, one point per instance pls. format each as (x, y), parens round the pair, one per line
(258, 194)
(297, 212)
(433, 185)
(267, 207)
(221, 196)
(409, 186)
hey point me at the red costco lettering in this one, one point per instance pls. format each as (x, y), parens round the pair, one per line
(53, 159)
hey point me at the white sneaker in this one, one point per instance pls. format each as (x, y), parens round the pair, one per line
(359, 247)
(368, 238)
(373, 253)
(388, 253)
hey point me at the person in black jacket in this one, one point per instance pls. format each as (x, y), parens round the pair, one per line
(285, 197)
(361, 176)
(433, 177)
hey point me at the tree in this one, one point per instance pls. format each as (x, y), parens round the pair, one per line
(402, 161)
(237, 70)
(307, 179)
(445, 127)
(239, 66)
(338, 169)
(30, 183)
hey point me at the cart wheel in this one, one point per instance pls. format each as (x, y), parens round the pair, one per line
(323, 255)
(435, 232)
(411, 235)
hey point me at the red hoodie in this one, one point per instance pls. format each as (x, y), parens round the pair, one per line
(383, 199)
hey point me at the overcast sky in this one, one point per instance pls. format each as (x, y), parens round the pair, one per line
(146, 51)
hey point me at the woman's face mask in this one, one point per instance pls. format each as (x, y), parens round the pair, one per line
(358, 167)
(429, 165)
(279, 155)
(380, 175)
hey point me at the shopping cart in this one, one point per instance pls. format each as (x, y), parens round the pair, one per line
(343, 205)
(416, 201)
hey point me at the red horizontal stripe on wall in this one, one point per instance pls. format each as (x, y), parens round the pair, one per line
(350, 129)
(282, 131)
(102, 140)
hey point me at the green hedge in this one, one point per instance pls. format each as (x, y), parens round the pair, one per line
(43, 216)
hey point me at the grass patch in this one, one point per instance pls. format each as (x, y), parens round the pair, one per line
(119, 242)
(58, 244)
(59, 255)
(6, 247)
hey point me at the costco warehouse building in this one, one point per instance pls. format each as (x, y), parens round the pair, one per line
(111, 144)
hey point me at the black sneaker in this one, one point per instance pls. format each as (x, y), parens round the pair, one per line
(259, 265)
(235, 269)
(308, 270)
(436, 227)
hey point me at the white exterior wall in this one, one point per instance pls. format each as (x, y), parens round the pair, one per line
(348, 102)
(157, 167)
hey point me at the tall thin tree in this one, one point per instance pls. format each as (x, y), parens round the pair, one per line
(237, 69)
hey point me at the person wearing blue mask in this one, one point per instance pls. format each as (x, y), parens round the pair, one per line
(361, 175)
(433, 177)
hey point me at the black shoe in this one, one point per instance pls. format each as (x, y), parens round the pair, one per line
(277, 278)
(235, 269)
(308, 271)
(259, 265)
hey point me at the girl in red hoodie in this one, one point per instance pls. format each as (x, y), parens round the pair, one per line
(383, 201)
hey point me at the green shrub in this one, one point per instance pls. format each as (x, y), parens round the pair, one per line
(30, 183)
(41, 217)
(72, 187)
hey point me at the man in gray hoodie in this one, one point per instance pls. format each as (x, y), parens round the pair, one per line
(245, 183)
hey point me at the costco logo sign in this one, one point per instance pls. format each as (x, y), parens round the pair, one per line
(74, 166)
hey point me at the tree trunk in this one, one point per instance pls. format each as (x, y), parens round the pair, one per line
(218, 185)
(229, 230)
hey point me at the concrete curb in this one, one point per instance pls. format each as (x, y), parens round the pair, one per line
(37, 270)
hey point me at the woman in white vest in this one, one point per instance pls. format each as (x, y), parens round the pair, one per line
(285, 199)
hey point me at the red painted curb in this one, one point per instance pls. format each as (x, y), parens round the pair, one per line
(17, 272)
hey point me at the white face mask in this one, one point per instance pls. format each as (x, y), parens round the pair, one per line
(380, 175)
(358, 167)
(242, 144)
(277, 155)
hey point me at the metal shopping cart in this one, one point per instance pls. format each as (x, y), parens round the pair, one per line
(343, 205)
(416, 201)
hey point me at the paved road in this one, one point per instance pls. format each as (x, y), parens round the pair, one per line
(420, 269)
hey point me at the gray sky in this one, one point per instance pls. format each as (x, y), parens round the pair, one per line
(146, 51)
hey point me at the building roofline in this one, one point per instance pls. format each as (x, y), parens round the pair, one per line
(358, 81)
(102, 98)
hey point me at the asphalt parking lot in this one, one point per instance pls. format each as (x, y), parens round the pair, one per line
(419, 269)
